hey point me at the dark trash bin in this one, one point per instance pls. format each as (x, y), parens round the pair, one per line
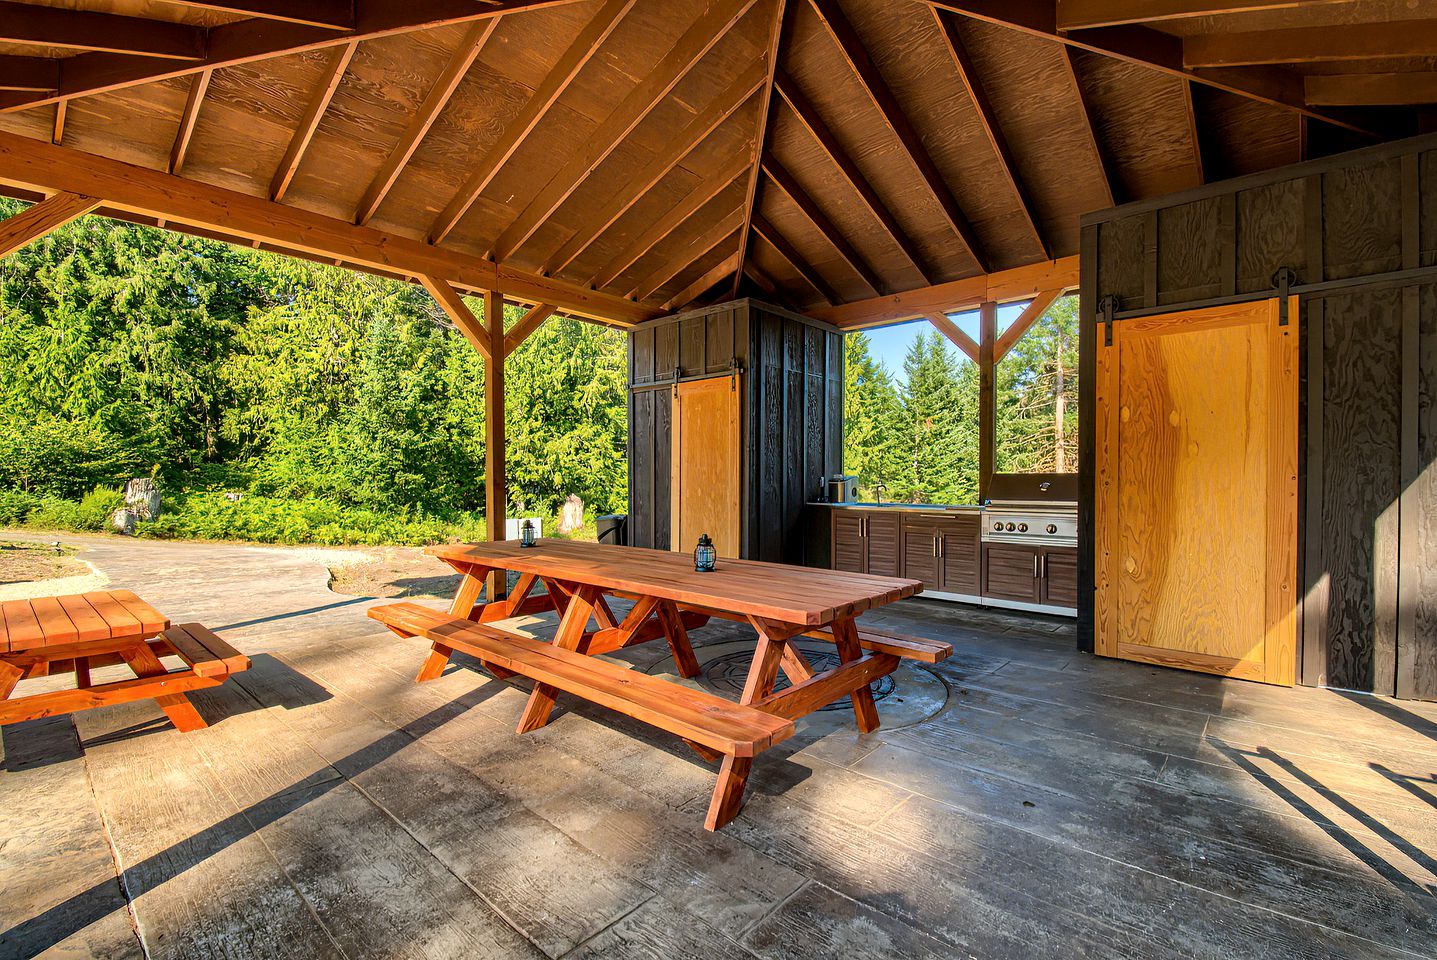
(613, 529)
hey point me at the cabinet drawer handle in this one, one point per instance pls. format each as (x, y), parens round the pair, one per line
(1035, 566)
(935, 546)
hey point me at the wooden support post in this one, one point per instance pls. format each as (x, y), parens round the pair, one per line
(987, 408)
(495, 494)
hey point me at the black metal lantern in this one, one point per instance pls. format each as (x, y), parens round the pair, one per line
(705, 556)
(526, 534)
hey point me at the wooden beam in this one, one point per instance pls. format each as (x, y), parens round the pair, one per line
(1194, 134)
(1087, 14)
(1348, 41)
(863, 67)
(87, 30)
(696, 249)
(527, 324)
(1150, 48)
(988, 121)
(672, 218)
(41, 218)
(199, 83)
(334, 14)
(1036, 308)
(592, 150)
(760, 137)
(794, 259)
(58, 130)
(987, 405)
(459, 313)
(496, 496)
(712, 278)
(578, 53)
(424, 117)
(1371, 89)
(955, 333)
(1106, 170)
(724, 106)
(1005, 286)
(810, 208)
(44, 168)
(308, 123)
(807, 115)
(29, 74)
(247, 41)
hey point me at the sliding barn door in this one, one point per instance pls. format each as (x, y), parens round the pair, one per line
(1197, 491)
(707, 487)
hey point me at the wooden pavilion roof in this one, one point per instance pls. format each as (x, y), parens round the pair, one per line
(621, 159)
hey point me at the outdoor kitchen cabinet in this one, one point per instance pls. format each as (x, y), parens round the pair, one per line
(867, 541)
(1044, 575)
(944, 551)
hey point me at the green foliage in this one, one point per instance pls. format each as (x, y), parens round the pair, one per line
(1037, 396)
(90, 514)
(342, 405)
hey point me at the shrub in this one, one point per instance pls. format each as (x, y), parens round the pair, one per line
(16, 505)
(90, 514)
(62, 459)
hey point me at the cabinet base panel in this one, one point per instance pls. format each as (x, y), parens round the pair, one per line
(1001, 604)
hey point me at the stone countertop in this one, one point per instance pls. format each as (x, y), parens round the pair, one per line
(925, 507)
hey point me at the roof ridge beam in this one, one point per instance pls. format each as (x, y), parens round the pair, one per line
(863, 67)
(988, 120)
(657, 83)
(34, 165)
(781, 14)
(578, 53)
(672, 219)
(246, 41)
(807, 115)
(425, 117)
(718, 112)
(91, 31)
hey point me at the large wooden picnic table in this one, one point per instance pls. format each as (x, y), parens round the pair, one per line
(670, 598)
(52, 635)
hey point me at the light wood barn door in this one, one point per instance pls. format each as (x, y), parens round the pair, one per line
(1197, 491)
(707, 460)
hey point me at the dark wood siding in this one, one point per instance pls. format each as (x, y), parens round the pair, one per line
(1352, 229)
(792, 369)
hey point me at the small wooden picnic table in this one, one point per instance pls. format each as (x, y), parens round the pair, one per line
(670, 598)
(52, 635)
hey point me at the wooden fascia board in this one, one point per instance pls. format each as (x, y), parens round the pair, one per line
(1005, 286)
(45, 168)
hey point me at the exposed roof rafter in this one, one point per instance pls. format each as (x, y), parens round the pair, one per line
(1087, 14)
(335, 14)
(1107, 172)
(656, 84)
(199, 83)
(1348, 41)
(713, 277)
(794, 259)
(424, 117)
(578, 53)
(1372, 89)
(717, 235)
(90, 31)
(863, 67)
(309, 122)
(810, 208)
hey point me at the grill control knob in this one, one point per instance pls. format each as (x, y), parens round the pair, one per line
(1052, 528)
(1022, 528)
(998, 525)
(1009, 527)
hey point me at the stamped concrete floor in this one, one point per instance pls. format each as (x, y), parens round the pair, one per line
(1021, 800)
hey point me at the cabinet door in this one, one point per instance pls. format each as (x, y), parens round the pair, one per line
(920, 552)
(1060, 577)
(1010, 573)
(848, 542)
(884, 544)
(960, 556)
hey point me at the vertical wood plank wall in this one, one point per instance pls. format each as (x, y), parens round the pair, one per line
(792, 417)
(1368, 447)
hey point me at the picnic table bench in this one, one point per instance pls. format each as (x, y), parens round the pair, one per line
(75, 634)
(669, 599)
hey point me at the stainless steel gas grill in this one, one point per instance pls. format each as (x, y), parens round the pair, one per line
(1030, 539)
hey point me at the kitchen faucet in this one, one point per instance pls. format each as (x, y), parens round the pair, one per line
(879, 489)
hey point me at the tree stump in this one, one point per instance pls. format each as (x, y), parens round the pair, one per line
(142, 496)
(571, 514)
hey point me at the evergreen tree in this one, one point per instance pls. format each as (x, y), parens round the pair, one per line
(1037, 395)
(872, 413)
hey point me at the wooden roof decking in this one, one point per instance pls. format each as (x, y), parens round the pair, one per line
(610, 144)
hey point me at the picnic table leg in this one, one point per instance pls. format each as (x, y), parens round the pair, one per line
(845, 636)
(177, 706)
(678, 637)
(462, 606)
(728, 792)
(569, 637)
(9, 676)
(82, 673)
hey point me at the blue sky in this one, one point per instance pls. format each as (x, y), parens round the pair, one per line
(890, 344)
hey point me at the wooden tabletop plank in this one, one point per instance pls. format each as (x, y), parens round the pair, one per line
(122, 622)
(151, 620)
(55, 625)
(773, 591)
(88, 623)
(22, 629)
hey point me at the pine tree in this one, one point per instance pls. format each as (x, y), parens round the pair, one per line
(1037, 395)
